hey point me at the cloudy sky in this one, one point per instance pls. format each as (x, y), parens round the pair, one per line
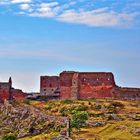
(45, 37)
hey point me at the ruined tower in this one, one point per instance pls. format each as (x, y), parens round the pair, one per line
(75, 86)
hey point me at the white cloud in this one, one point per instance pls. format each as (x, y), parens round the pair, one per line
(46, 10)
(25, 6)
(98, 17)
(71, 12)
(51, 4)
(20, 1)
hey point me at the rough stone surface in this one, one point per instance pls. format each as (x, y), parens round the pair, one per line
(26, 120)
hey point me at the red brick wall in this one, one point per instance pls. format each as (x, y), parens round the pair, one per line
(49, 81)
(90, 85)
(18, 95)
(95, 85)
(4, 94)
(89, 92)
(96, 79)
(65, 84)
(127, 93)
(48, 84)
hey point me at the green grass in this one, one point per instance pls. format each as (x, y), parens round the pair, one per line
(41, 136)
(113, 130)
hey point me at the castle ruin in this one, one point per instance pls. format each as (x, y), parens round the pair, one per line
(85, 85)
(9, 93)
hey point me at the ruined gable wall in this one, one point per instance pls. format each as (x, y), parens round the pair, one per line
(96, 85)
(48, 84)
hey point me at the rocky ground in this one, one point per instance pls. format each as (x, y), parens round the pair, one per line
(27, 120)
(37, 120)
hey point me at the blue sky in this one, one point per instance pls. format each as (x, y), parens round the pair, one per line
(45, 37)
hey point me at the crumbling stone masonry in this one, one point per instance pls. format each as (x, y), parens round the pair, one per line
(9, 93)
(85, 85)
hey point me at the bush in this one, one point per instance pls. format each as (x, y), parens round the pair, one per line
(9, 136)
(51, 125)
(28, 102)
(79, 119)
(89, 103)
(67, 101)
(54, 110)
(49, 107)
(97, 106)
(117, 104)
(79, 108)
(63, 111)
(59, 127)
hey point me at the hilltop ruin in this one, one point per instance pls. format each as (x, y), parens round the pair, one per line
(85, 85)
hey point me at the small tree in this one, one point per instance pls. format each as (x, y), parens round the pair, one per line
(79, 120)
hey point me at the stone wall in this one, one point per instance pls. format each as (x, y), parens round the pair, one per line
(66, 84)
(9, 93)
(86, 85)
(49, 84)
(18, 94)
(95, 85)
(4, 94)
(127, 93)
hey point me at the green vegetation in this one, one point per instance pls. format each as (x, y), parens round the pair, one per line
(9, 136)
(110, 119)
(92, 119)
(79, 119)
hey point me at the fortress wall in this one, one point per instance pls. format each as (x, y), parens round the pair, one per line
(18, 95)
(96, 78)
(4, 94)
(127, 93)
(66, 85)
(89, 92)
(87, 85)
(96, 85)
(49, 84)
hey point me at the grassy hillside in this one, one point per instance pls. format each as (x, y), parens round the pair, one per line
(108, 119)
(41, 120)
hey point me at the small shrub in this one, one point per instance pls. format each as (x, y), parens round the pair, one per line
(59, 127)
(91, 114)
(97, 106)
(82, 103)
(79, 108)
(49, 107)
(28, 102)
(51, 125)
(63, 111)
(89, 103)
(67, 101)
(79, 119)
(54, 110)
(9, 136)
(117, 104)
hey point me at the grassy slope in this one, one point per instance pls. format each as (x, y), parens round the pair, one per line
(119, 130)
(41, 137)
